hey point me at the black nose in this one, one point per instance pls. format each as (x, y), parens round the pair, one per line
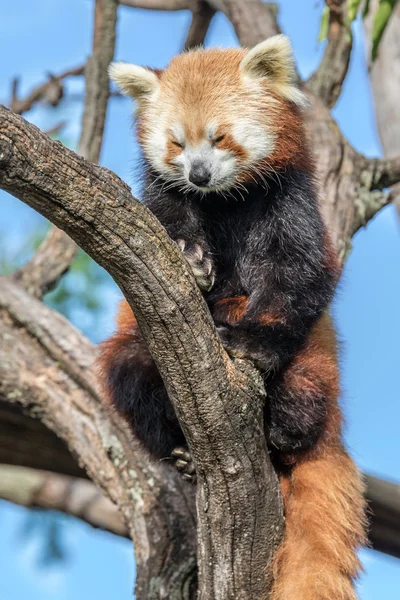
(199, 175)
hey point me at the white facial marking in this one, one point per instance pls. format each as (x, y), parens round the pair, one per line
(255, 139)
(155, 147)
(221, 164)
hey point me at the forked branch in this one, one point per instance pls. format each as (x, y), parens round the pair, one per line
(219, 404)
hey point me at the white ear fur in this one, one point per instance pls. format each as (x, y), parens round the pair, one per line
(273, 60)
(133, 80)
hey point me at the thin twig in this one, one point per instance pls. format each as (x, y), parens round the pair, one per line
(97, 81)
(50, 91)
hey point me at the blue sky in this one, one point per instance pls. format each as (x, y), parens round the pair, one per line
(41, 36)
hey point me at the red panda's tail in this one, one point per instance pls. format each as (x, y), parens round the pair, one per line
(325, 525)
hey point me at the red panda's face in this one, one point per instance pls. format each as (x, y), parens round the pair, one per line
(210, 120)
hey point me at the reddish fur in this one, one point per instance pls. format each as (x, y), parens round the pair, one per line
(268, 318)
(231, 310)
(126, 320)
(322, 493)
(321, 488)
(127, 336)
(229, 143)
(291, 141)
(172, 152)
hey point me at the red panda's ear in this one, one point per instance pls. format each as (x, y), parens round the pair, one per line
(133, 80)
(273, 60)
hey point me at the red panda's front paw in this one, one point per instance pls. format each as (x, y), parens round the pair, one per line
(184, 464)
(200, 263)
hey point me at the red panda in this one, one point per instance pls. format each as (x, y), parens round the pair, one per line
(228, 172)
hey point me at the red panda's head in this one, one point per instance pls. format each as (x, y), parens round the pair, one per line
(216, 118)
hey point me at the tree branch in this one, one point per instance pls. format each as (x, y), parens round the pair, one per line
(368, 204)
(158, 4)
(376, 174)
(46, 369)
(51, 91)
(97, 80)
(34, 488)
(385, 79)
(219, 406)
(76, 497)
(56, 253)
(25, 441)
(253, 20)
(202, 14)
(49, 263)
(326, 82)
(386, 172)
(384, 503)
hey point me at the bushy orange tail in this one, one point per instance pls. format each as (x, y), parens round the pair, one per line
(325, 526)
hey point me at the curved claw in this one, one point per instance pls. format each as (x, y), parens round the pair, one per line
(184, 464)
(200, 264)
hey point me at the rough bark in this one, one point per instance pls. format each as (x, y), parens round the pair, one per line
(46, 368)
(219, 405)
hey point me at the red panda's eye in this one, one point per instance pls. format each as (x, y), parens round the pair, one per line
(219, 139)
(177, 144)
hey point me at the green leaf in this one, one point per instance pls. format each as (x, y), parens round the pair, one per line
(323, 30)
(381, 20)
(352, 9)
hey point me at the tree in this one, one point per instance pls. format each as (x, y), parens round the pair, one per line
(46, 366)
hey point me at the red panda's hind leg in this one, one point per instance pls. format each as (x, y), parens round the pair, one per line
(133, 385)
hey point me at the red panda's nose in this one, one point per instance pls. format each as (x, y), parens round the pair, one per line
(199, 174)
